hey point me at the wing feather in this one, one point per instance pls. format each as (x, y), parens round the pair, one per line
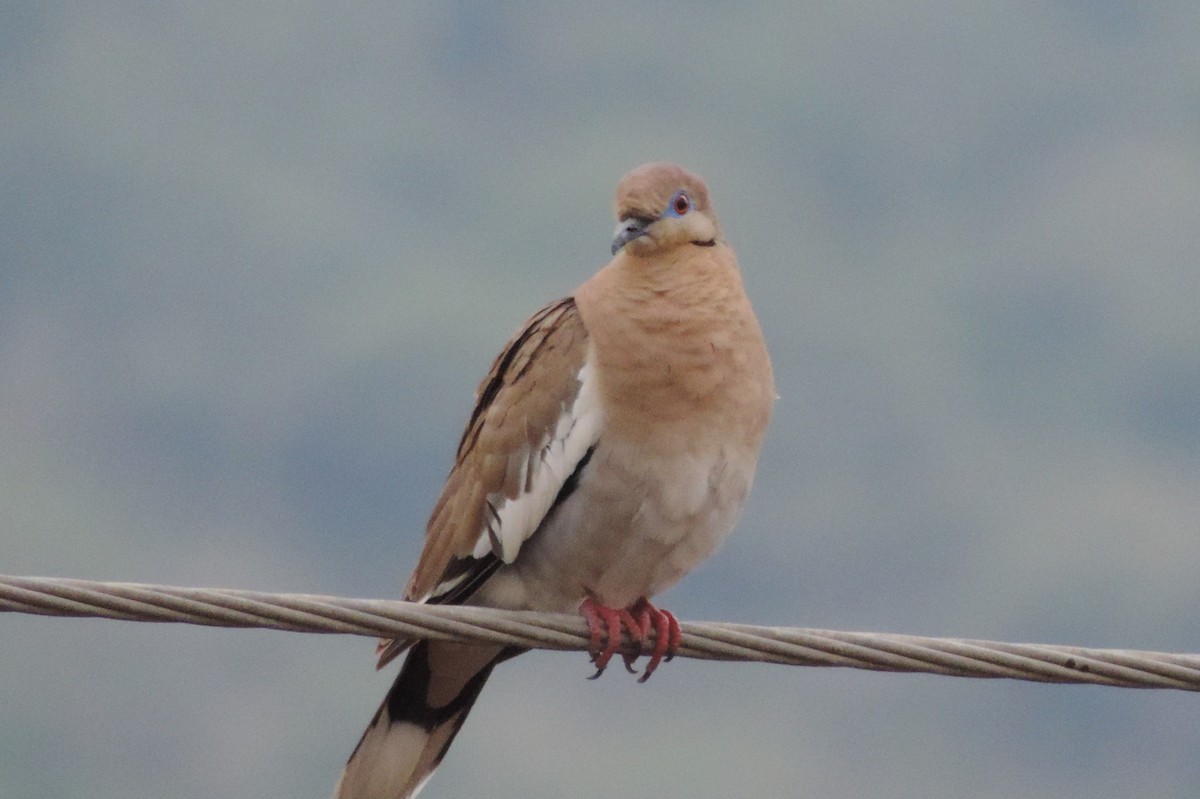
(534, 421)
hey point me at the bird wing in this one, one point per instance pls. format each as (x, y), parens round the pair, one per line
(536, 419)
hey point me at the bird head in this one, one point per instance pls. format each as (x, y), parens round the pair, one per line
(661, 206)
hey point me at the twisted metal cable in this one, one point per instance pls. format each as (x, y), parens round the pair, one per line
(794, 646)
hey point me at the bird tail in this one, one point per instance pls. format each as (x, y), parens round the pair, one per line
(417, 722)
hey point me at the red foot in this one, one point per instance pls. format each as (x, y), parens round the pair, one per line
(606, 625)
(667, 635)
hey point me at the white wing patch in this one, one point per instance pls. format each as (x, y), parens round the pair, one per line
(509, 521)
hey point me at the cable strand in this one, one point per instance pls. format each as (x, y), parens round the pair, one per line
(310, 613)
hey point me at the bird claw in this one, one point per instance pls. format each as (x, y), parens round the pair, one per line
(606, 627)
(667, 634)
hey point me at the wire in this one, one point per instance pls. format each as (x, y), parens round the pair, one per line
(307, 613)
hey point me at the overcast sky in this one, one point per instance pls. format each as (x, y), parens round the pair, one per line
(255, 258)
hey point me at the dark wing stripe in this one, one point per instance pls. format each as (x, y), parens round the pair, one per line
(572, 482)
(488, 393)
(478, 571)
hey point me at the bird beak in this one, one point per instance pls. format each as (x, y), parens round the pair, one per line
(629, 229)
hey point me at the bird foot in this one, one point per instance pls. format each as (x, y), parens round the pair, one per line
(606, 627)
(667, 634)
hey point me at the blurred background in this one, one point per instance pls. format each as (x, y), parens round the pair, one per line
(254, 259)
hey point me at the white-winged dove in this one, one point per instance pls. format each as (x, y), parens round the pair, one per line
(610, 450)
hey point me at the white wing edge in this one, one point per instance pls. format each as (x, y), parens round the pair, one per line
(515, 519)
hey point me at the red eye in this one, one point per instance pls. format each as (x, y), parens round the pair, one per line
(682, 204)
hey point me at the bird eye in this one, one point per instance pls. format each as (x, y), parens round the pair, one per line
(681, 204)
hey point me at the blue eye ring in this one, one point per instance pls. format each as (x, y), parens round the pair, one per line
(680, 204)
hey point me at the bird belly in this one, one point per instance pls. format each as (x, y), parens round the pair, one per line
(632, 528)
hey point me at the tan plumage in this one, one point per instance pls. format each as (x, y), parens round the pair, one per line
(518, 404)
(611, 447)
